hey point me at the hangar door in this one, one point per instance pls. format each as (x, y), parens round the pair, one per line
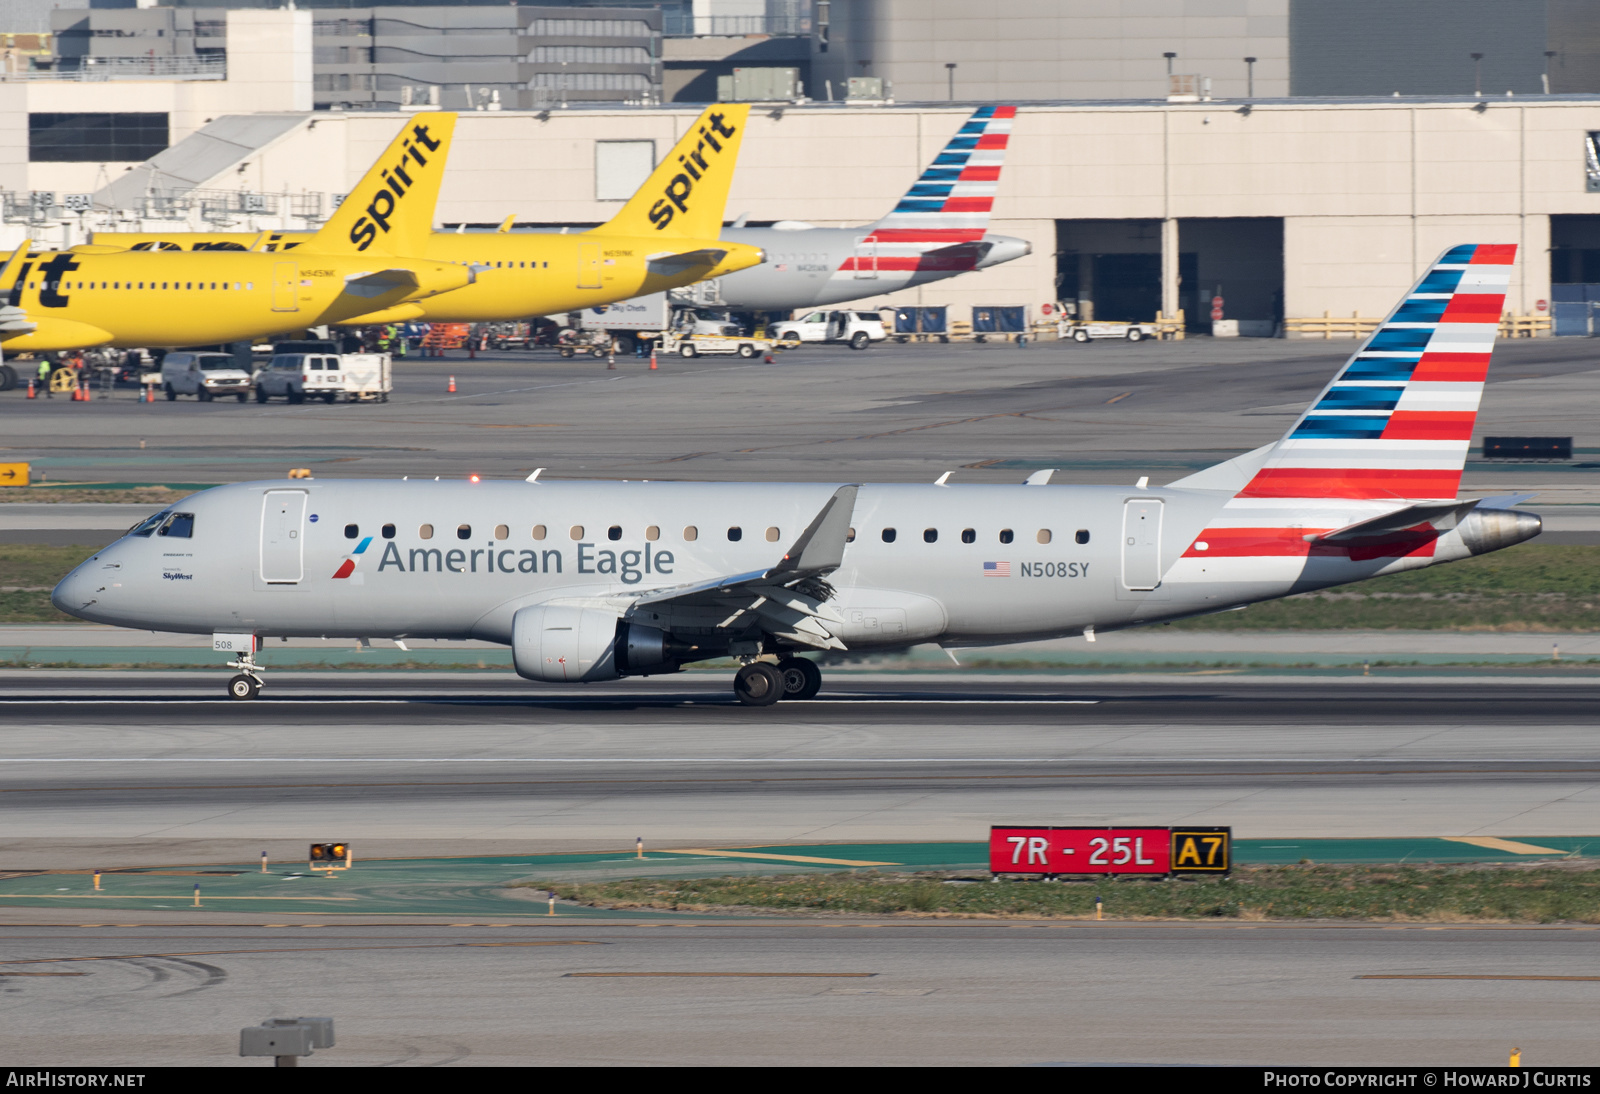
(1141, 543)
(283, 515)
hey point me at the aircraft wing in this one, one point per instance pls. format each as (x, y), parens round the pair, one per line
(13, 320)
(790, 598)
(676, 262)
(1442, 515)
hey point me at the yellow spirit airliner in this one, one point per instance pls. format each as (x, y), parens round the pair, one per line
(663, 238)
(361, 261)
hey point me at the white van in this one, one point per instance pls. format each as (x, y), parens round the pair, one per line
(356, 377)
(204, 375)
(859, 328)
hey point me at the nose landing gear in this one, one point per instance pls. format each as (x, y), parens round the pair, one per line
(246, 685)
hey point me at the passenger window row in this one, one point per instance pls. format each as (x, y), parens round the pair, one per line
(67, 286)
(690, 533)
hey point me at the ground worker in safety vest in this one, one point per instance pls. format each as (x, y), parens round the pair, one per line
(44, 377)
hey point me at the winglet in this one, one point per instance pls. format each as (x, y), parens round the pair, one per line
(1039, 478)
(687, 193)
(8, 272)
(505, 225)
(820, 548)
(535, 476)
(390, 211)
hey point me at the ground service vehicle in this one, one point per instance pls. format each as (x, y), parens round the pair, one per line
(204, 375)
(664, 237)
(1090, 330)
(656, 575)
(106, 294)
(857, 328)
(354, 377)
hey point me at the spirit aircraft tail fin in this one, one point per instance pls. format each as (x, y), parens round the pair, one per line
(686, 195)
(390, 211)
(952, 198)
(1397, 420)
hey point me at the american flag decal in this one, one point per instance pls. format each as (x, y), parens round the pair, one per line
(997, 569)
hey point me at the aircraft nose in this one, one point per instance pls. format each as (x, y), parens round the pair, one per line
(79, 591)
(1004, 249)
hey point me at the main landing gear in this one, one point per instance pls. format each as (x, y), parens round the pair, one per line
(760, 684)
(246, 685)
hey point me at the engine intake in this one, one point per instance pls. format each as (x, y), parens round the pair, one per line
(561, 644)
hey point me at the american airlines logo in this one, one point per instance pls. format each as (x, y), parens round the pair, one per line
(628, 566)
(399, 183)
(677, 191)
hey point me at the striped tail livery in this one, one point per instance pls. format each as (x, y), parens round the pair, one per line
(1369, 473)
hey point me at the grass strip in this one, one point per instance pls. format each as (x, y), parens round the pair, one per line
(1568, 892)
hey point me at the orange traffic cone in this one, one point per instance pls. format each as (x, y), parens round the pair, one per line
(31, 393)
(149, 393)
(452, 385)
(652, 355)
(85, 390)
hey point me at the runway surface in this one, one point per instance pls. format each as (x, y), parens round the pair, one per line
(838, 992)
(147, 765)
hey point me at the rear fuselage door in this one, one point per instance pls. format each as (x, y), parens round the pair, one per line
(588, 265)
(866, 257)
(285, 287)
(283, 520)
(1141, 543)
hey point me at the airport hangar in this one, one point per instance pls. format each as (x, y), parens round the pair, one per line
(1288, 207)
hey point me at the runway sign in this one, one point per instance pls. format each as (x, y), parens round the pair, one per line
(1052, 850)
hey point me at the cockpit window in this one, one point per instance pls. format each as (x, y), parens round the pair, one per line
(149, 524)
(179, 526)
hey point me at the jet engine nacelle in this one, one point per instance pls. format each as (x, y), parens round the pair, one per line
(564, 644)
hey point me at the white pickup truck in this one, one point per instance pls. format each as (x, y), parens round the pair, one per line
(859, 328)
(356, 377)
(204, 375)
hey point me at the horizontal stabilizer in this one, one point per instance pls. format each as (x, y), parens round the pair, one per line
(1442, 515)
(675, 262)
(382, 283)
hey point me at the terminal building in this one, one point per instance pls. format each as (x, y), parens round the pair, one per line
(1141, 194)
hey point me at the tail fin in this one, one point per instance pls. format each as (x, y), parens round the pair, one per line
(952, 198)
(1397, 420)
(687, 193)
(390, 211)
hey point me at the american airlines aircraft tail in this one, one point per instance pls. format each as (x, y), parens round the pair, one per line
(951, 201)
(598, 580)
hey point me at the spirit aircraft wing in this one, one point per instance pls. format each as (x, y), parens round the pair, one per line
(789, 598)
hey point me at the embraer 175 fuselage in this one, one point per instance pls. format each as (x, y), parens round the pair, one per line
(595, 580)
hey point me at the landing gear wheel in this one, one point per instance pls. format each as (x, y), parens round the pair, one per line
(687, 350)
(758, 684)
(1080, 335)
(860, 340)
(801, 678)
(243, 687)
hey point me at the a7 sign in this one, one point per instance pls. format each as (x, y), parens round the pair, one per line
(1082, 850)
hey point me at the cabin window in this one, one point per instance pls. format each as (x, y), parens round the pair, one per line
(888, 535)
(690, 534)
(735, 534)
(772, 535)
(538, 531)
(576, 532)
(652, 533)
(388, 531)
(850, 535)
(1044, 535)
(502, 531)
(930, 535)
(178, 526)
(614, 533)
(969, 535)
(425, 531)
(1006, 535)
(463, 531)
(1082, 536)
(351, 531)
